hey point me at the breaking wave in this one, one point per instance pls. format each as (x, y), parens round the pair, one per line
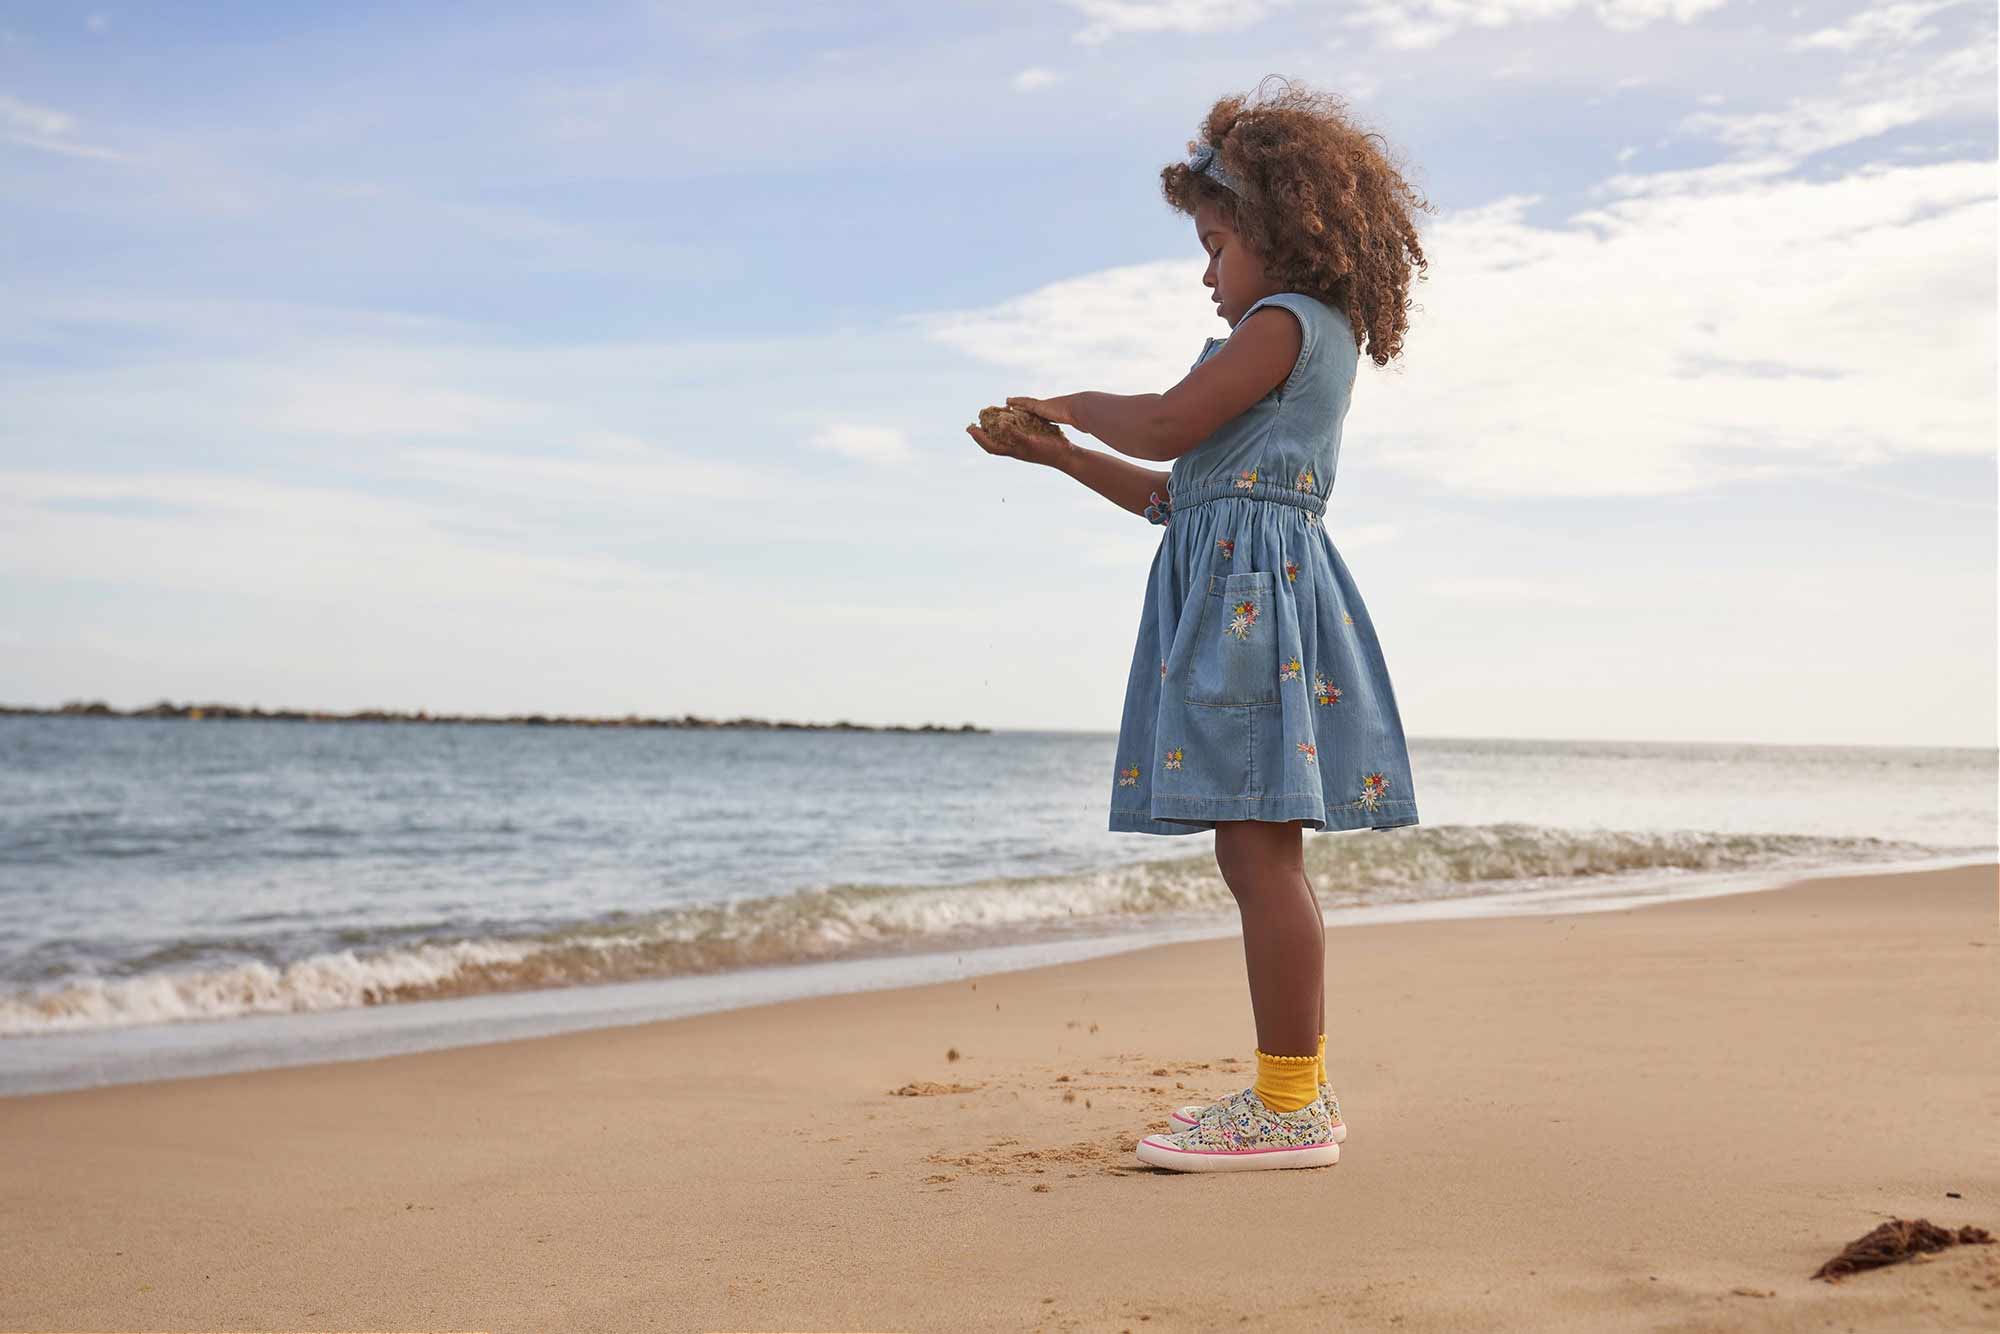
(1422, 863)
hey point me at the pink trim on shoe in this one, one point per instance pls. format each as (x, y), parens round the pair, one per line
(1282, 1148)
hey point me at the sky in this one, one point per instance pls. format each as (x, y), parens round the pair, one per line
(616, 358)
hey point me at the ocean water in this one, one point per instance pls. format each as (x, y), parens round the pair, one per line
(188, 897)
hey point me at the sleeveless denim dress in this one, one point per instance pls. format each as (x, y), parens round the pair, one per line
(1258, 690)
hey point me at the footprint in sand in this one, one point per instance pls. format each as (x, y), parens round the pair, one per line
(1109, 1156)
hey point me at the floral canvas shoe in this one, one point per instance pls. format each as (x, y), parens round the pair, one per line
(1183, 1117)
(1241, 1134)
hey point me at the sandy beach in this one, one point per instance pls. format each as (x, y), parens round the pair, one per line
(1659, 1118)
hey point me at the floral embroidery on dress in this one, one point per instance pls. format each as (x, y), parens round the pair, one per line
(1129, 777)
(1246, 479)
(1241, 617)
(1289, 671)
(1345, 617)
(1310, 751)
(1174, 758)
(1228, 545)
(1305, 482)
(1325, 691)
(1163, 669)
(1291, 571)
(1372, 788)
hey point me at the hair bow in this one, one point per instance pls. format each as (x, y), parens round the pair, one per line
(1206, 162)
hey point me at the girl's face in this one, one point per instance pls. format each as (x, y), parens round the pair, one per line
(1235, 273)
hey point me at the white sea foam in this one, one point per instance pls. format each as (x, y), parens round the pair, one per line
(1425, 863)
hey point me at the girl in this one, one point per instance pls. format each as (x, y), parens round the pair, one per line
(1259, 701)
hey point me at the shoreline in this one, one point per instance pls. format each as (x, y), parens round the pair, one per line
(126, 1053)
(1656, 1116)
(117, 1054)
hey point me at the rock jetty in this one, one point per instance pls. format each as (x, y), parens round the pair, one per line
(231, 712)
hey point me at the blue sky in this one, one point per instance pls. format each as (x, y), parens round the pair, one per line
(616, 358)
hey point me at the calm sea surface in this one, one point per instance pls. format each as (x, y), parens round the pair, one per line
(187, 897)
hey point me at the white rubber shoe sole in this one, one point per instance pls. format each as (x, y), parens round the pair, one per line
(1158, 1153)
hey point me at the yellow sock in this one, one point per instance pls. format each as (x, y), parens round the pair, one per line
(1322, 1058)
(1285, 1083)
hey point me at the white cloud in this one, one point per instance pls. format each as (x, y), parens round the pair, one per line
(1114, 329)
(1359, 86)
(1359, 536)
(602, 472)
(1716, 323)
(1036, 77)
(1892, 25)
(25, 118)
(1703, 327)
(873, 614)
(336, 597)
(1871, 102)
(1110, 18)
(1500, 590)
(1409, 25)
(1715, 178)
(1673, 342)
(47, 129)
(205, 531)
(1417, 24)
(870, 444)
(636, 438)
(331, 403)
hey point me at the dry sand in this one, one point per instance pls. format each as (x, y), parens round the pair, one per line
(1661, 1118)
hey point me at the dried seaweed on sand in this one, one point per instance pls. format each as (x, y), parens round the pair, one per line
(1897, 1240)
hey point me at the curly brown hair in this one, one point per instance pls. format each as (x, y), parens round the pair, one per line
(1329, 213)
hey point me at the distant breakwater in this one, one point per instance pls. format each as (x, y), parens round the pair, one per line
(231, 712)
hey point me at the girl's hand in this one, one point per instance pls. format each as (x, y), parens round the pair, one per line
(1014, 445)
(1056, 410)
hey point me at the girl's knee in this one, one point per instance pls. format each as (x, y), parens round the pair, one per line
(1249, 850)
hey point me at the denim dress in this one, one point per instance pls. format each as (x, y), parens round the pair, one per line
(1258, 690)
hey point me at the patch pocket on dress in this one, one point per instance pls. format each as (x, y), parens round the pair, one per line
(1235, 659)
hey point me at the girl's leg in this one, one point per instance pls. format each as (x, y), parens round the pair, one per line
(1284, 940)
(1321, 917)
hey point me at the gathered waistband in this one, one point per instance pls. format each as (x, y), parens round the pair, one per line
(1204, 492)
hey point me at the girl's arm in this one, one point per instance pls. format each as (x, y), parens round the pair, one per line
(1138, 425)
(1263, 353)
(1126, 485)
(1132, 424)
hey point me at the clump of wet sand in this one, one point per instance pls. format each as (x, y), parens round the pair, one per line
(1017, 421)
